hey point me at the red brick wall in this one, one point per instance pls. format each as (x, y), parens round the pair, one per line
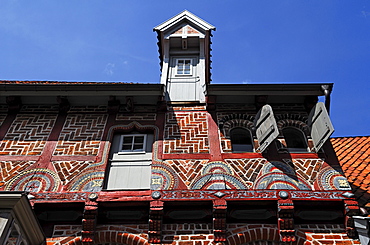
(194, 234)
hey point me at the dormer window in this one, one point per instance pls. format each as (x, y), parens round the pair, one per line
(183, 67)
(241, 140)
(295, 139)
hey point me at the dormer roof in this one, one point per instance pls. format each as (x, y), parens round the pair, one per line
(184, 16)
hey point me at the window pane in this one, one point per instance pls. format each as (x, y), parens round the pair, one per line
(294, 138)
(138, 147)
(127, 139)
(183, 67)
(126, 147)
(241, 140)
(139, 139)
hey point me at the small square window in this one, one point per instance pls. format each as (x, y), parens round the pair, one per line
(133, 143)
(183, 66)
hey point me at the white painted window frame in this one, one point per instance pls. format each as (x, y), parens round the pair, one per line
(132, 151)
(183, 70)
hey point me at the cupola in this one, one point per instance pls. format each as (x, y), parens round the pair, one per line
(184, 50)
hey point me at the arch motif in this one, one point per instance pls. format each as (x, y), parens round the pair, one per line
(131, 126)
(219, 175)
(269, 235)
(112, 237)
(163, 177)
(235, 120)
(287, 122)
(34, 180)
(278, 175)
(91, 181)
(119, 238)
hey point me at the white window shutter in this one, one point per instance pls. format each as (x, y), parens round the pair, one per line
(266, 127)
(321, 126)
(129, 175)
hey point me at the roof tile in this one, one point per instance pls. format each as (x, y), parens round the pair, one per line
(354, 156)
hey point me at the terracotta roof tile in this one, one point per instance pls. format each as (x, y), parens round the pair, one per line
(354, 156)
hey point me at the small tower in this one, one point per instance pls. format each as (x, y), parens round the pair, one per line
(184, 48)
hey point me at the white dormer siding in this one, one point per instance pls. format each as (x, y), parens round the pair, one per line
(184, 42)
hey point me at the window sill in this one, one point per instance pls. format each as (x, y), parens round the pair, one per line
(130, 152)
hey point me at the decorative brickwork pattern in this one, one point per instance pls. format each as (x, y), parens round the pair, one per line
(308, 169)
(218, 175)
(68, 170)
(27, 135)
(323, 234)
(10, 169)
(88, 109)
(46, 109)
(227, 123)
(137, 234)
(137, 117)
(186, 132)
(186, 108)
(34, 180)
(66, 230)
(109, 234)
(194, 234)
(187, 234)
(187, 170)
(137, 109)
(247, 169)
(293, 123)
(81, 135)
(248, 234)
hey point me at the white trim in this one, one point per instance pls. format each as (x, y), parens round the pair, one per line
(184, 15)
(184, 66)
(132, 143)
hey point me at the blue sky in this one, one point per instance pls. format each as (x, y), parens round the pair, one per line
(259, 41)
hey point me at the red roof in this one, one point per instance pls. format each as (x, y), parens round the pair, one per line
(354, 156)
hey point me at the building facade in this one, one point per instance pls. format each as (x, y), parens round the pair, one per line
(181, 162)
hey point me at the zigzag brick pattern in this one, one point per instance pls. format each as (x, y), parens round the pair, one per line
(81, 135)
(308, 169)
(27, 135)
(186, 132)
(67, 170)
(247, 169)
(11, 168)
(187, 170)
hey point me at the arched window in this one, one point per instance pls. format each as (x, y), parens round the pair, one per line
(295, 139)
(241, 140)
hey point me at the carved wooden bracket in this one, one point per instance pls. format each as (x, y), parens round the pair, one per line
(155, 222)
(350, 209)
(219, 220)
(286, 220)
(89, 222)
